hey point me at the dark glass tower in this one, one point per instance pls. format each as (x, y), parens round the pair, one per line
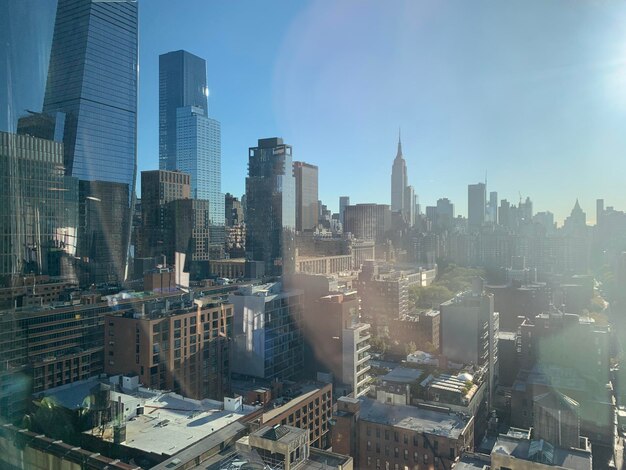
(182, 82)
(92, 78)
(271, 206)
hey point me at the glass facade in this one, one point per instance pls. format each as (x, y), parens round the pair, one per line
(271, 206)
(39, 210)
(198, 152)
(182, 82)
(92, 78)
(306, 196)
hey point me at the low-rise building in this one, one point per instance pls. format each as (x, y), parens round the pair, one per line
(395, 436)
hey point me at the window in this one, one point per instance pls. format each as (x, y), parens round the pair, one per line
(369, 445)
(452, 455)
(396, 452)
(386, 434)
(396, 436)
(425, 459)
(369, 431)
(378, 448)
(406, 454)
(416, 456)
(369, 461)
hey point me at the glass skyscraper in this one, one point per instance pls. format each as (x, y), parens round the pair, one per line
(92, 78)
(198, 152)
(182, 82)
(271, 206)
(39, 210)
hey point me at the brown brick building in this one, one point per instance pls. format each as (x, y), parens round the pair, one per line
(185, 349)
(397, 437)
(312, 410)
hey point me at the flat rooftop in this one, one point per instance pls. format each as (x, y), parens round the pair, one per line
(403, 375)
(526, 449)
(439, 423)
(171, 423)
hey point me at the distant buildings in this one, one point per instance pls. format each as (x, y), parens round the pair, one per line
(270, 206)
(306, 196)
(367, 221)
(344, 201)
(476, 200)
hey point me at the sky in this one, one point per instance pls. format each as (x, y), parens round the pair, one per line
(530, 94)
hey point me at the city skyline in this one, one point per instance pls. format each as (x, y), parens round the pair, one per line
(551, 107)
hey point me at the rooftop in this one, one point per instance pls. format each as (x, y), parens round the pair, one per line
(169, 422)
(403, 375)
(439, 423)
(542, 451)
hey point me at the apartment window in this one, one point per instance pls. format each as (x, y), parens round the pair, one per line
(406, 454)
(378, 432)
(416, 456)
(416, 440)
(396, 452)
(369, 461)
(451, 456)
(378, 448)
(386, 434)
(369, 445)
(378, 464)
(386, 451)
(406, 439)
(425, 459)
(396, 436)
(369, 431)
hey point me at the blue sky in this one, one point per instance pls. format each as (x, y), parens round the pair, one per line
(532, 92)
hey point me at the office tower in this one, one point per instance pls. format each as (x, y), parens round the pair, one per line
(271, 206)
(182, 83)
(344, 201)
(398, 181)
(576, 222)
(444, 213)
(476, 206)
(599, 211)
(198, 152)
(39, 209)
(504, 214)
(306, 196)
(493, 207)
(267, 336)
(367, 221)
(158, 188)
(409, 206)
(92, 78)
(469, 330)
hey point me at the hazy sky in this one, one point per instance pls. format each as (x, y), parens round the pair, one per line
(533, 92)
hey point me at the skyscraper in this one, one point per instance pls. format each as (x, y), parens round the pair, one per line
(189, 140)
(476, 199)
(271, 206)
(409, 206)
(306, 196)
(92, 78)
(198, 152)
(398, 181)
(344, 201)
(493, 207)
(182, 82)
(39, 209)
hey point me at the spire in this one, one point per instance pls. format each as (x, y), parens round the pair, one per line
(399, 143)
(577, 207)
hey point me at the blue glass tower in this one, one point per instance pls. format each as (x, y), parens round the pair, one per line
(92, 78)
(182, 82)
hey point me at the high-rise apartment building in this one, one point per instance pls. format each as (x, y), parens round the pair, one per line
(39, 209)
(444, 213)
(271, 206)
(306, 196)
(92, 78)
(409, 206)
(182, 83)
(476, 200)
